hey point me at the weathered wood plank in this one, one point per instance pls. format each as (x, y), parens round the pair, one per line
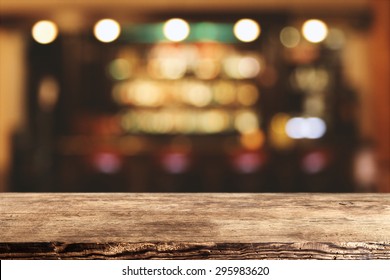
(188, 250)
(187, 226)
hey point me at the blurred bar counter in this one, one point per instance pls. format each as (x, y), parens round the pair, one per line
(194, 226)
(209, 111)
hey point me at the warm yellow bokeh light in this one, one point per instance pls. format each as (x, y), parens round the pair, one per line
(253, 140)
(119, 69)
(314, 30)
(147, 94)
(176, 29)
(172, 68)
(213, 121)
(246, 121)
(247, 94)
(224, 93)
(278, 123)
(277, 134)
(107, 30)
(246, 30)
(248, 67)
(199, 95)
(290, 37)
(44, 31)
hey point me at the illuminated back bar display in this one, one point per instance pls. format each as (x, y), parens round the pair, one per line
(262, 96)
(203, 85)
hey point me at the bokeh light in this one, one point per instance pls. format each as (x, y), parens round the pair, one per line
(175, 162)
(247, 94)
(146, 93)
(207, 69)
(248, 67)
(246, 30)
(247, 162)
(278, 123)
(317, 128)
(277, 134)
(224, 92)
(48, 93)
(213, 121)
(335, 39)
(314, 162)
(199, 95)
(44, 32)
(106, 162)
(290, 37)
(297, 128)
(107, 30)
(179, 120)
(172, 68)
(119, 69)
(365, 167)
(176, 29)
(231, 66)
(162, 122)
(300, 128)
(246, 121)
(252, 140)
(310, 79)
(314, 30)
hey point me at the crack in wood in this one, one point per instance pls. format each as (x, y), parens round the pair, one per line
(174, 250)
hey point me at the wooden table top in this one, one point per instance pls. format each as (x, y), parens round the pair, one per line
(187, 225)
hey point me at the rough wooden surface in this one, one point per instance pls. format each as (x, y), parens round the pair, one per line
(195, 226)
(189, 250)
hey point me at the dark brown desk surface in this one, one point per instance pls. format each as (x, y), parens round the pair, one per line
(194, 226)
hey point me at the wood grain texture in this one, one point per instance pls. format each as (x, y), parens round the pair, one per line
(195, 226)
(189, 250)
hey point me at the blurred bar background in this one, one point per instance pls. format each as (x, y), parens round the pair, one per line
(194, 96)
